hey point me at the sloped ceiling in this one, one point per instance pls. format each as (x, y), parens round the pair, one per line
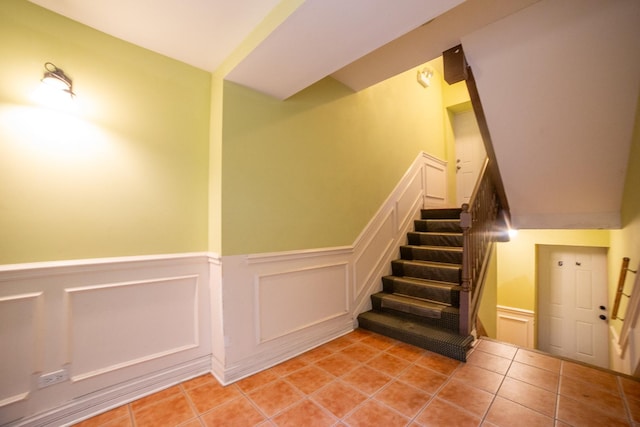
(559, 80)
(559, 83)
(322, 36)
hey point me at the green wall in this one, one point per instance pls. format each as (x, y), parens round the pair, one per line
(311, 171)
(125, 173)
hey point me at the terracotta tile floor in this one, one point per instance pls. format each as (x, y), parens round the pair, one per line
(365, 379)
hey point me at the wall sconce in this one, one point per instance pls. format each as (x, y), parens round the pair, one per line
(424, 77)
(56, 79)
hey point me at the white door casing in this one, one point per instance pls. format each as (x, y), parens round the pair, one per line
(572, 303)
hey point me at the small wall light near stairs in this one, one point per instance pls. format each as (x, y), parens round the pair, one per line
(56, 80)
(424, 77)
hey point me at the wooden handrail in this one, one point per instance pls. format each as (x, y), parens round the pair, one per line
(620, 291)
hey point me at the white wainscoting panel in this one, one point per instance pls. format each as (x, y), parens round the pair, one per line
(435, 182)
(118, 328)
(216, 321)
(20, 344)
(290, 301)
(121, 324)
(372, 253)
(516, 326)
(410, 199)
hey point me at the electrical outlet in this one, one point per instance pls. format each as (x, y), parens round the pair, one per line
(52, 378)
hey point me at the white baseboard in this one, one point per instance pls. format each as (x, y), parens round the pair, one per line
(112, 397)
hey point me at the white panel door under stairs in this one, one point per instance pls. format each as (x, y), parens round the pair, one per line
(470, 154)
(572, 303)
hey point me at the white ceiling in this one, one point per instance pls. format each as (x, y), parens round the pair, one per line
(201, 33)
(322, 36)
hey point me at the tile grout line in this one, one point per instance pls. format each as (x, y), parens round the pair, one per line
(190, 402)
(495, 395)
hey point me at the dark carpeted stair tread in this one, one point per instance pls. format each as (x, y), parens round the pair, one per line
(428, 263)
(425, 336)
(438, 225)
(420, 301)
(422, 238)
(427, 270)
(407, 304)
(453, 213)
(438, 248)
(417, 310)
(441, 292)
(446, 254)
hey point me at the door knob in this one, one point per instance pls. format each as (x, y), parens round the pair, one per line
(603, 317)
(602, 307)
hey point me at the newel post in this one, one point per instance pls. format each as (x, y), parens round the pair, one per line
(466, 285)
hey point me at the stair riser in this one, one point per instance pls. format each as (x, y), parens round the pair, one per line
(447, 320)
(433, 293)
(452, 226)
(427, 272)
(434, 239)
(433, 255)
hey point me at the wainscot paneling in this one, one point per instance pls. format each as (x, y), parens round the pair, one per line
(515, 326)
(292, 300)
(216, 322)
(132, 317)
(109, 330)
(278, 305)
(20, 344)
(435, 173)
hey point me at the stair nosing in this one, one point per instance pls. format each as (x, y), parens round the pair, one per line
(425, 282)
(436, 248)
(438, 233)
(429, 263)
(427, 303)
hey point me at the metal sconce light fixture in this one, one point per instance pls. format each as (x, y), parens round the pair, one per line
(55, 78)
(424, 77)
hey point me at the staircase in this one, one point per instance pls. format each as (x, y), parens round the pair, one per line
(419, 302)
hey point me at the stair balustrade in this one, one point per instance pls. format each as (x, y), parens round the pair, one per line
(479, 221)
